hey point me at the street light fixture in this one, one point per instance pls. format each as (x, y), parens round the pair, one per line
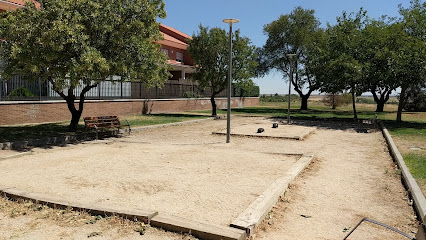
(230, 21)
(291, 57)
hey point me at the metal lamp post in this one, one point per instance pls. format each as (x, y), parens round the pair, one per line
(291, 58)
(230, 21)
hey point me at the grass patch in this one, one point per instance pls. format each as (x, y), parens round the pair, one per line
(416, 163)
(155, 119)
(36, 131)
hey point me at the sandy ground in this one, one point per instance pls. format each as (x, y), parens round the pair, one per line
(353, 177)
(184, 171)
(283, 131)
(189, 172)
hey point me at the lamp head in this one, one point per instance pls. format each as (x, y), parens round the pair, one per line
(231, 20)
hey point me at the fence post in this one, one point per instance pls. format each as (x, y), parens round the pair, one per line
(121, 88)
(140, 90)
(39, 88)
(99, 91)
(1, 88)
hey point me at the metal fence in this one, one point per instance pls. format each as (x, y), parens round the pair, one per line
(19, 89)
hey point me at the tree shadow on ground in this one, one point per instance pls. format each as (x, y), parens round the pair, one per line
(23, 132)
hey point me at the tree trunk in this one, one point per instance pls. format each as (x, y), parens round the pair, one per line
(213, 102)
(384, 97)
(304, 99)
(380, 107)
(75, 114)
(353, 105)
(401, 104)
(333, 104)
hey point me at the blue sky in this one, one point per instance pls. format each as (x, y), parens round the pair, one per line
(186, 15)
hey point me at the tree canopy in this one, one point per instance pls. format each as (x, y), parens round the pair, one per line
(357, 54)
(410, 57)
(210, 50)
(293, 33)
(84, 42)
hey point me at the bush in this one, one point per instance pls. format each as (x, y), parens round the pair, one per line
(246, 89)
(279, 98)
(334, 100)
(415, 99)
(191, 94)
(21, 92)
(365, 100)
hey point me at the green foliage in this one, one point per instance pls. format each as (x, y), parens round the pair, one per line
(246, 89)
(337, 100)
(365, 100)
(415, 99)
(72, 43)
(410, 57)
(279, 98)
(210, 51)
(191, 94)
(21, 92)
(340, 67)
(296, 33)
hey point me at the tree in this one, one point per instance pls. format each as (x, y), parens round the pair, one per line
(210, 51)
(292, 33)
(410, 58)
(415, 99)
(82, 43)
(340, 68)
(380, 39)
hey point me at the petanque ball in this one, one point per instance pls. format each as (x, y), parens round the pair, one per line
(260, 130)
(275, 125)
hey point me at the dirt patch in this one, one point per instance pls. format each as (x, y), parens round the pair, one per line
(27, 220)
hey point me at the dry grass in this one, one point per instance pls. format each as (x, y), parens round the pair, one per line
(67, 217)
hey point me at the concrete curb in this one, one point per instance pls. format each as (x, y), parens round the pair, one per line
(196, 229)
(139, 215)
(410, 183)
(250, 219)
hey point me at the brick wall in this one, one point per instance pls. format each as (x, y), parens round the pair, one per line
(12, 113)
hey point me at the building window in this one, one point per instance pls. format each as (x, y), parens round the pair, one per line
(179, 57)
(165, 51)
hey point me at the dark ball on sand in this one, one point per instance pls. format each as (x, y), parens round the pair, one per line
(260, 130)
(275, 125)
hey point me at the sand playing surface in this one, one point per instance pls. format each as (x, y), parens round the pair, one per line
(283, 131)
(190, 172)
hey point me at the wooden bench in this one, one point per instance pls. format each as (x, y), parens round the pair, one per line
(103, 123)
